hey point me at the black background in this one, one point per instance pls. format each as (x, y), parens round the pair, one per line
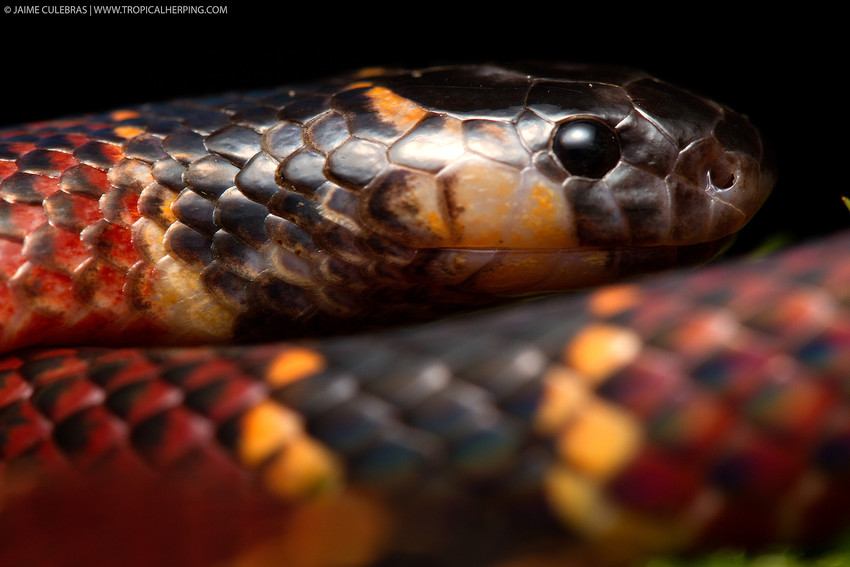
(779, 68)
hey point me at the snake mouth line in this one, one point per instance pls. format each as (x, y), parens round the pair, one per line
(510, 272)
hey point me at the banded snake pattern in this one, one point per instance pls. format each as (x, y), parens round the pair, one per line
(650, 416)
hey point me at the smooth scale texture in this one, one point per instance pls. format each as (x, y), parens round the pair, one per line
(633, 419)
(311, 209)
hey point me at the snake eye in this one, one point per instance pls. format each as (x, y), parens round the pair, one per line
(586, 147)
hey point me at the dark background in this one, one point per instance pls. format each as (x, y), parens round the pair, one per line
(778, 68)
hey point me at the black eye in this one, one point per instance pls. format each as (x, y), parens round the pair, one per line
(585, 147)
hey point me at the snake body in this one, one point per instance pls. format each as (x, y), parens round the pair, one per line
(659, 416)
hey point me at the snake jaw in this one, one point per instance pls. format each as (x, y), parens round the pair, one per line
(472, 203)
(505, 273)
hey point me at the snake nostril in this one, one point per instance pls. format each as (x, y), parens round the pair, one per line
(722, 176)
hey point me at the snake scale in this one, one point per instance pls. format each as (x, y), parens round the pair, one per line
(220, 348)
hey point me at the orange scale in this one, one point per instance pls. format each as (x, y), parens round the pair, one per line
(123, 114)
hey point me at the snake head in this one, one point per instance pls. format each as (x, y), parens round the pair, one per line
(387, 193)
(547, 178)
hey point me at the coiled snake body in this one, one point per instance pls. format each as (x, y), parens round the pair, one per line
(654, 416)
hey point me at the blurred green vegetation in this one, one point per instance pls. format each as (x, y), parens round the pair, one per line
(836, 556)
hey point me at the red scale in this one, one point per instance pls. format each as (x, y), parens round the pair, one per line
(63, 398)
(84, 179)
(52, 365)
(46, 162)
(658, 483)
(25, 218)
(24, 428)
(90, 435)
(145, 399)
(167, 437)
(12, 386)
(116, 368)
(72, 211)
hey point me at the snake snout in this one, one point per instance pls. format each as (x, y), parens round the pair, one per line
(714, 191)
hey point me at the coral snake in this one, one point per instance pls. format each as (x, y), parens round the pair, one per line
(230, 334)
